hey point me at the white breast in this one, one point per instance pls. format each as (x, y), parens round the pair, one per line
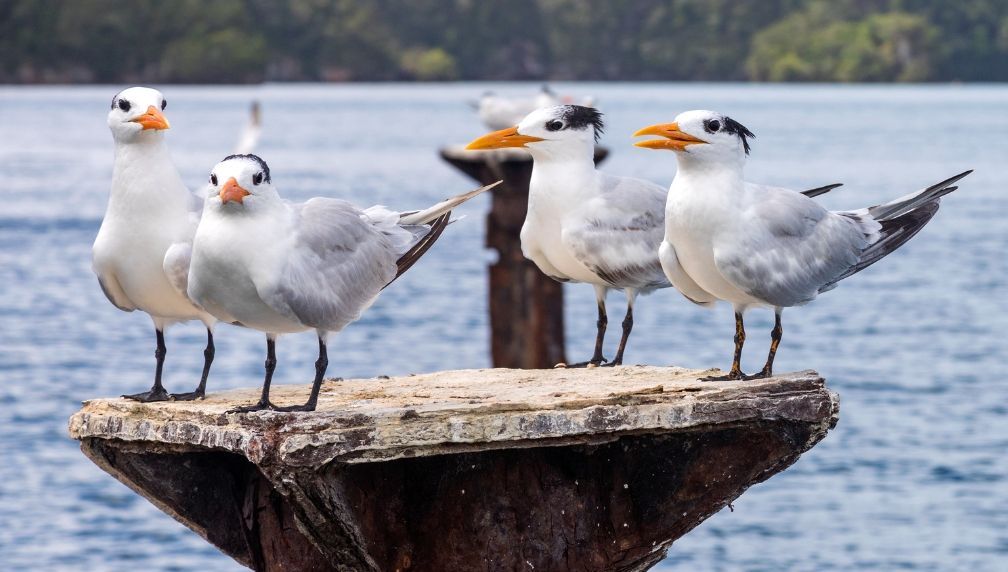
(232, 258)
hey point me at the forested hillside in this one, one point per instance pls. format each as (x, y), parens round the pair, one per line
(228, 41)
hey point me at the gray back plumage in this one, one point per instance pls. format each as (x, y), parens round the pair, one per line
(790, 249)
(620, 245)
(338, 264)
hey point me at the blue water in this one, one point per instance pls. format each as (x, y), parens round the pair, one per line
(913, 477)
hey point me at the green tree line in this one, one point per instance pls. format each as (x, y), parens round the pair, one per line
(234, 41)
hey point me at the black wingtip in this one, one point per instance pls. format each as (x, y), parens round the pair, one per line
(407, 260)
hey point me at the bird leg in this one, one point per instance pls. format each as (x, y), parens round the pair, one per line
(775, 337)
(736, 368)
(320, 368)
(157, 392)
(627, 326)
(603, 321)
(200, 392)
(264, 402)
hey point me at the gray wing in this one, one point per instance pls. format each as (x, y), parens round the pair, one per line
(788, 247)
(114, 292)
(620, 241)
(337, 265)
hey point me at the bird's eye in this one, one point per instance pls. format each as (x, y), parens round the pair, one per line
(554, 125)
(164, 104)
(213, 179)
(123, 105)
(712, 125)
(257, 178)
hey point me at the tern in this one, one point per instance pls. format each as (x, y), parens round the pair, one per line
(584, 225)
(279, 267)
(757, 246)
(499, 112)
(141, 252)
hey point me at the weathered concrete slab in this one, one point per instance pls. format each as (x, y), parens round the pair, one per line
(597, 469)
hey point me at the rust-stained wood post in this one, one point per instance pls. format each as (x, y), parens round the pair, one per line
(566, 469)
(526, 307)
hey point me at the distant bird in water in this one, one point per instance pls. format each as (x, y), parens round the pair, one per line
(249, 138)
(141, 252)
(584, 225)
(760, 246)
(279, 267)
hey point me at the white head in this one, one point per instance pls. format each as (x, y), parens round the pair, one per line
(701, 136)
(240, 184)
(550, 131)
(136, 115)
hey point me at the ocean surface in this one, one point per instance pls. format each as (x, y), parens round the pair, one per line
(914, 477)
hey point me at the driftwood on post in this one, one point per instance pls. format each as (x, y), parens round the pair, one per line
(526, 307)
(591, 469)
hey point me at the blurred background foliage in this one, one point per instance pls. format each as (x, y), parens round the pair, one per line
(235, 41)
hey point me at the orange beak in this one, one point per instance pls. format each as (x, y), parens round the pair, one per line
(232, 191)
(673, 138)
(500, 139)
(153, 119)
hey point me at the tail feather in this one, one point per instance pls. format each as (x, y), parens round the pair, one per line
(898, 221)
(427, 215)
(813, 193)
(409, 258)
(907, 203)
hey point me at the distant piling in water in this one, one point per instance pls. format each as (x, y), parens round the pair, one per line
(526, 306)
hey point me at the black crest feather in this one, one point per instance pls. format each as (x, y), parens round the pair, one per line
(580, 117)
(257, 159)
(736, 128)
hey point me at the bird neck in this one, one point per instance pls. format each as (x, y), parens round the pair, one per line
(704, 169)
(566, 152)
(553, 175)
(144, 176)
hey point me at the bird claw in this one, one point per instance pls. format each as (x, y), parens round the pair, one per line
(591, 363)
(288, 408)
(730, 376)
(149, 396)
(763, 374)
(190, 396)
(261, 406)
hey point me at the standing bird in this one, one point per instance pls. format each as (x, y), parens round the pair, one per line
(141, 252)
(279, 267)
(761, 246)
(584, 225)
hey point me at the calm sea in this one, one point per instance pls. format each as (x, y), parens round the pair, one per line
(915, 476)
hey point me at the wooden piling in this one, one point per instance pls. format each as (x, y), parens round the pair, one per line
(560, 469)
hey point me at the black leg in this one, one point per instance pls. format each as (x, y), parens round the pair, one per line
(320, 368)
(157, 392)
(736, 368)
(264, 402)
(627, 327)
(603, 321)
(208, 355)
(600, 325)
(775, 337)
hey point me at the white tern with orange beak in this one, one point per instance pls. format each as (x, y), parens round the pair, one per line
(279, 267)
(762, 246)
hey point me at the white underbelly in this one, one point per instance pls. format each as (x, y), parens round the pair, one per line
(548, 252)
(138, 266)
(696, 257)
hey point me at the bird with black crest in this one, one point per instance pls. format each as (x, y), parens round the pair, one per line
(584, 225)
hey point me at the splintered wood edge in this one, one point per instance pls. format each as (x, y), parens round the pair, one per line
(315, 439)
